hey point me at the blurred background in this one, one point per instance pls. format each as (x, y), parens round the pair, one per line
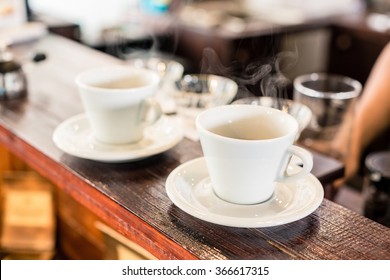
(231, 37)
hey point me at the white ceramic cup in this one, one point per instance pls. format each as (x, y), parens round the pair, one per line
(118, 102)
(247, 150)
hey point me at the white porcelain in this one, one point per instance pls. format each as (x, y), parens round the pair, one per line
(247, 150)
(189, 188)
(74, 136)
(117, 101)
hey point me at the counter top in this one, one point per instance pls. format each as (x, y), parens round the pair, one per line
(131, 198)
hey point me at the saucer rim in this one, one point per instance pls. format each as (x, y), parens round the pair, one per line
(182, 203)
(130, 156)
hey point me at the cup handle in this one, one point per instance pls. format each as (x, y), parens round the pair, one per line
(151, 112)
(307, 160)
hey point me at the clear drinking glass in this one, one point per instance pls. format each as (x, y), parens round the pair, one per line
(331, 99)
(300, 112)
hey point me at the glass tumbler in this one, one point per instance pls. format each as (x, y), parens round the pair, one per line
(331, 99)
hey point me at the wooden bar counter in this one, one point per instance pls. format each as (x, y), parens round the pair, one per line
(130, 198)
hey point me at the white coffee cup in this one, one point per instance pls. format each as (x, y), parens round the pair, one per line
(117, 100)
(247, 150)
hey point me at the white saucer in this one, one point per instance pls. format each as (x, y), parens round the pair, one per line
(74, 136)
(189, 188)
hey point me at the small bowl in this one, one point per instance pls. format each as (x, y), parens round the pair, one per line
(202, 91)
(299, 111)
(169, 70)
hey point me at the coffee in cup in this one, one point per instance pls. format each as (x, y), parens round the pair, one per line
(118, 102)
(247, 151)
